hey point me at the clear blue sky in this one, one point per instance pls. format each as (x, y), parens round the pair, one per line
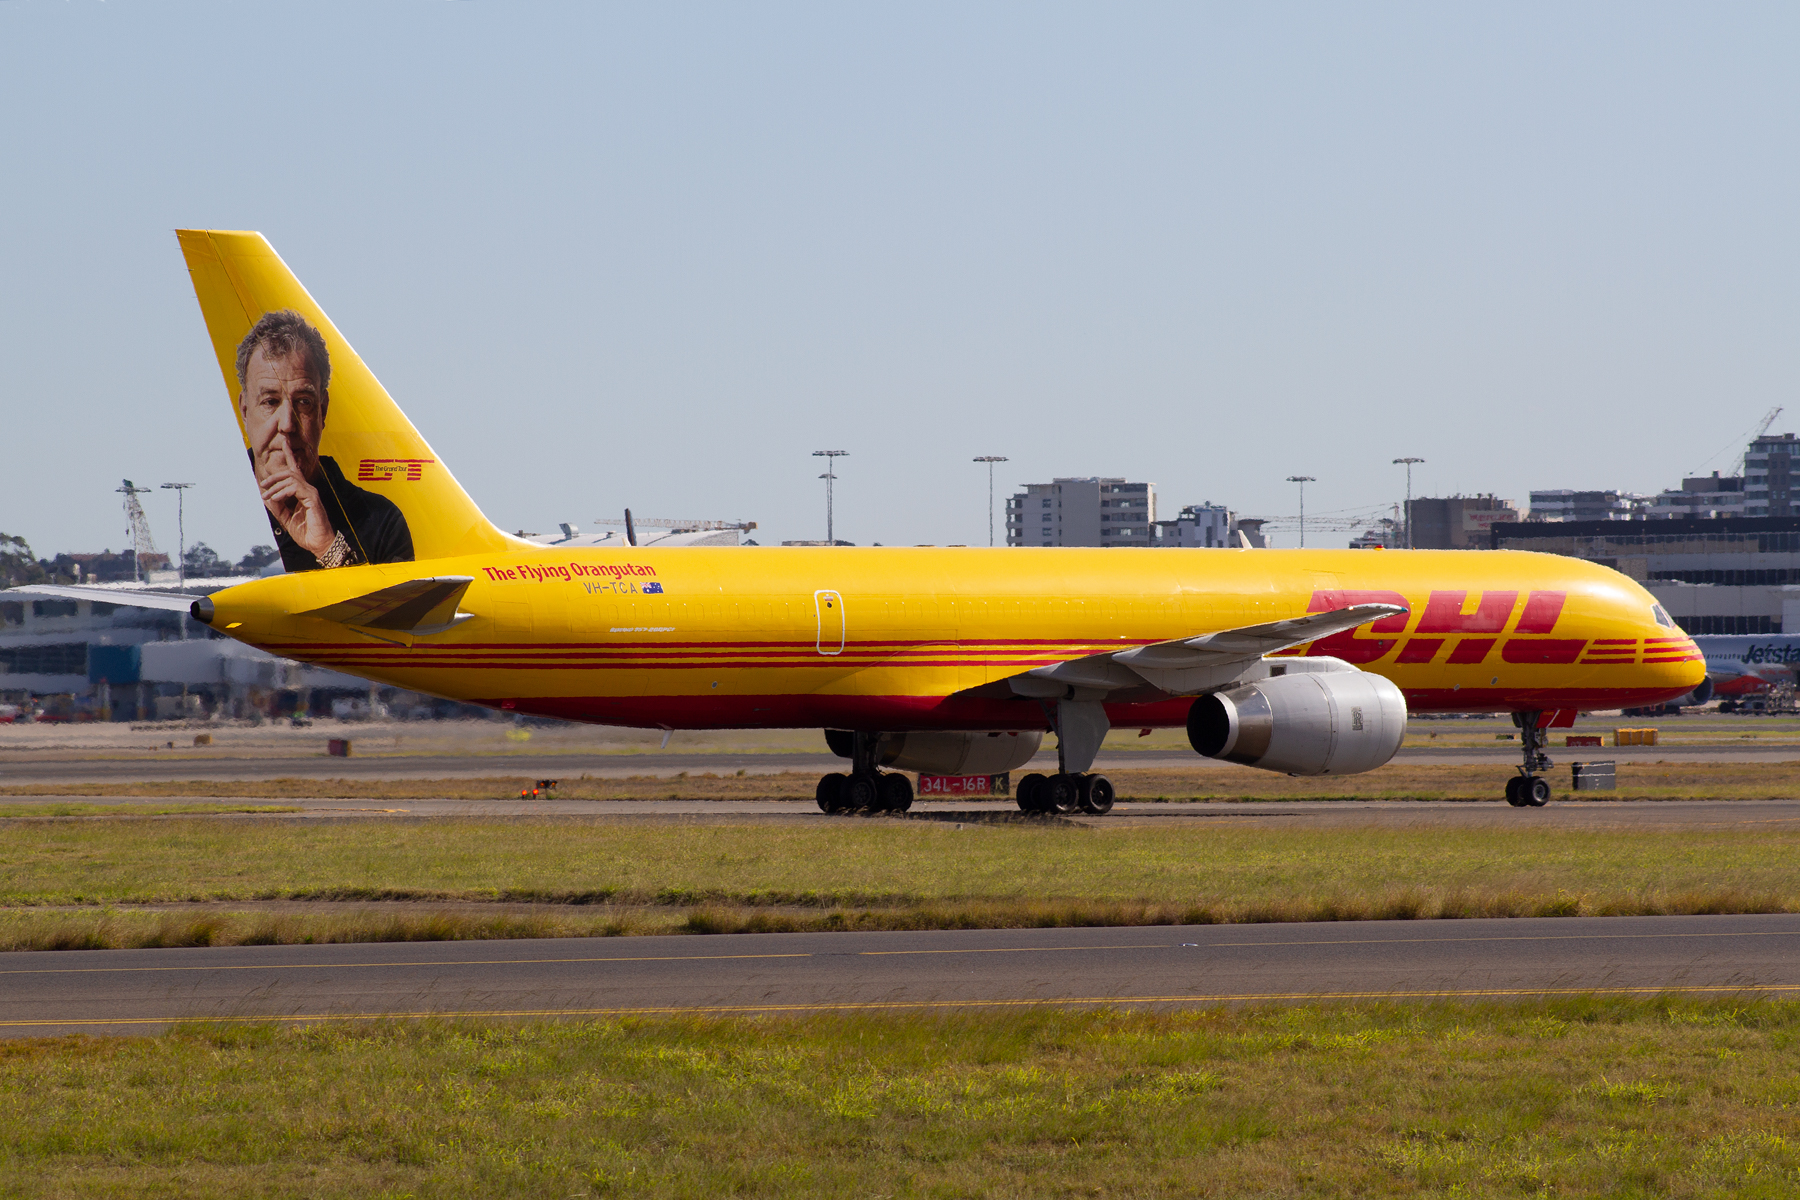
(653, 255)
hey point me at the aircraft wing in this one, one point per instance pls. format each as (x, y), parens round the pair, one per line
(172, 601)
(1189, 665)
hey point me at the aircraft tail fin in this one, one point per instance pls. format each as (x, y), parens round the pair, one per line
(345, 477)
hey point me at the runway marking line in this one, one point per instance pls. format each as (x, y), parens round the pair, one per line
(870, 1005)
(518, 962)
(465, 962)
(1019, 949)
(1520, 937)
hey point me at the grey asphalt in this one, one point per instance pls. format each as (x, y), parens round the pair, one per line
(143, 991)
(184, 765)
(1564, 812)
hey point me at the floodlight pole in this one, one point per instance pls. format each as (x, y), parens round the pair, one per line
(990, 460)
(1302, 480)
(180, 531)
(1409, 465)
(830, 476)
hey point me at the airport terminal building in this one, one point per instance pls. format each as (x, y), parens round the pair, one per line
(88, 660)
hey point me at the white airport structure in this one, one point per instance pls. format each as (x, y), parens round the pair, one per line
(647, 531)
(88, 659)
(1567, 504)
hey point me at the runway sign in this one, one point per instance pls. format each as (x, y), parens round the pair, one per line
(965, 785)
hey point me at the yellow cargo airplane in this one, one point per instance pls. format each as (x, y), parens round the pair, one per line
(939, 660)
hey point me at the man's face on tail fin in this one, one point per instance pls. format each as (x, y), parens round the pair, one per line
(284, 417)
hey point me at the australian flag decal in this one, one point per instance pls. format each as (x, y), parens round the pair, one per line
(652, 589)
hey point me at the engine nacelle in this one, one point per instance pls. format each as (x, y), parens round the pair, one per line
(1316, 723)
(1698, 696)
(947, 752)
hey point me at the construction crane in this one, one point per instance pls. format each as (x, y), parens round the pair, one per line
(1744, 440)
(1768, 420)
(138, 530)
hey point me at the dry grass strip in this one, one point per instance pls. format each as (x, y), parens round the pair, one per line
(119, 928)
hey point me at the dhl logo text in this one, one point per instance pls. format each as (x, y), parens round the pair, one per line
(1451, 613)
(383, 470)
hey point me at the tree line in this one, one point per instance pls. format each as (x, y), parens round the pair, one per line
(19, 566)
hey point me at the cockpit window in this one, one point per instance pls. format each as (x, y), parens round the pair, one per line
(1662, 618)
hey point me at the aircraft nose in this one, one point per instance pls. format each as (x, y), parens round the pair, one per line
(1672, 655)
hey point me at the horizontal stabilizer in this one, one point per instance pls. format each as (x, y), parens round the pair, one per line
(412, 609)
(170, 601)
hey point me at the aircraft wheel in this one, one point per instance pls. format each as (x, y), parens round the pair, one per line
(1513, 796)
(896, 793)
(1096, 794)
(1536, 792)
(1030, 793)
(831, 793)
(1063, 793)
(862, 793)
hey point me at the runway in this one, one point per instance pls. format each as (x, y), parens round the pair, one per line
(1562, 813)
(143, 991)
(185, 764)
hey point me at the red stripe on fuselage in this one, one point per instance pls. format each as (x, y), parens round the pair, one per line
(964, 711)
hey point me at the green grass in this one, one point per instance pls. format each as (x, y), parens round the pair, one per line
(1568, 1098)
(857, 863)
(603, 877)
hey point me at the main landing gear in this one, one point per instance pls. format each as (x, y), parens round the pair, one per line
(1529, 789)
(867, 788)
(1065, 792)
(1080, 726)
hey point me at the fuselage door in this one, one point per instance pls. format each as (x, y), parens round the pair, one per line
(830, 608)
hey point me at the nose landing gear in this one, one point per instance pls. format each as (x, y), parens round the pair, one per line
(1529, 788)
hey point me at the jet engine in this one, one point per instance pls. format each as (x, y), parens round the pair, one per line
(947, 752)
(1698, 696)
(1316, 723)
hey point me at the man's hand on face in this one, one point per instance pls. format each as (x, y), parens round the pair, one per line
(295, 503)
